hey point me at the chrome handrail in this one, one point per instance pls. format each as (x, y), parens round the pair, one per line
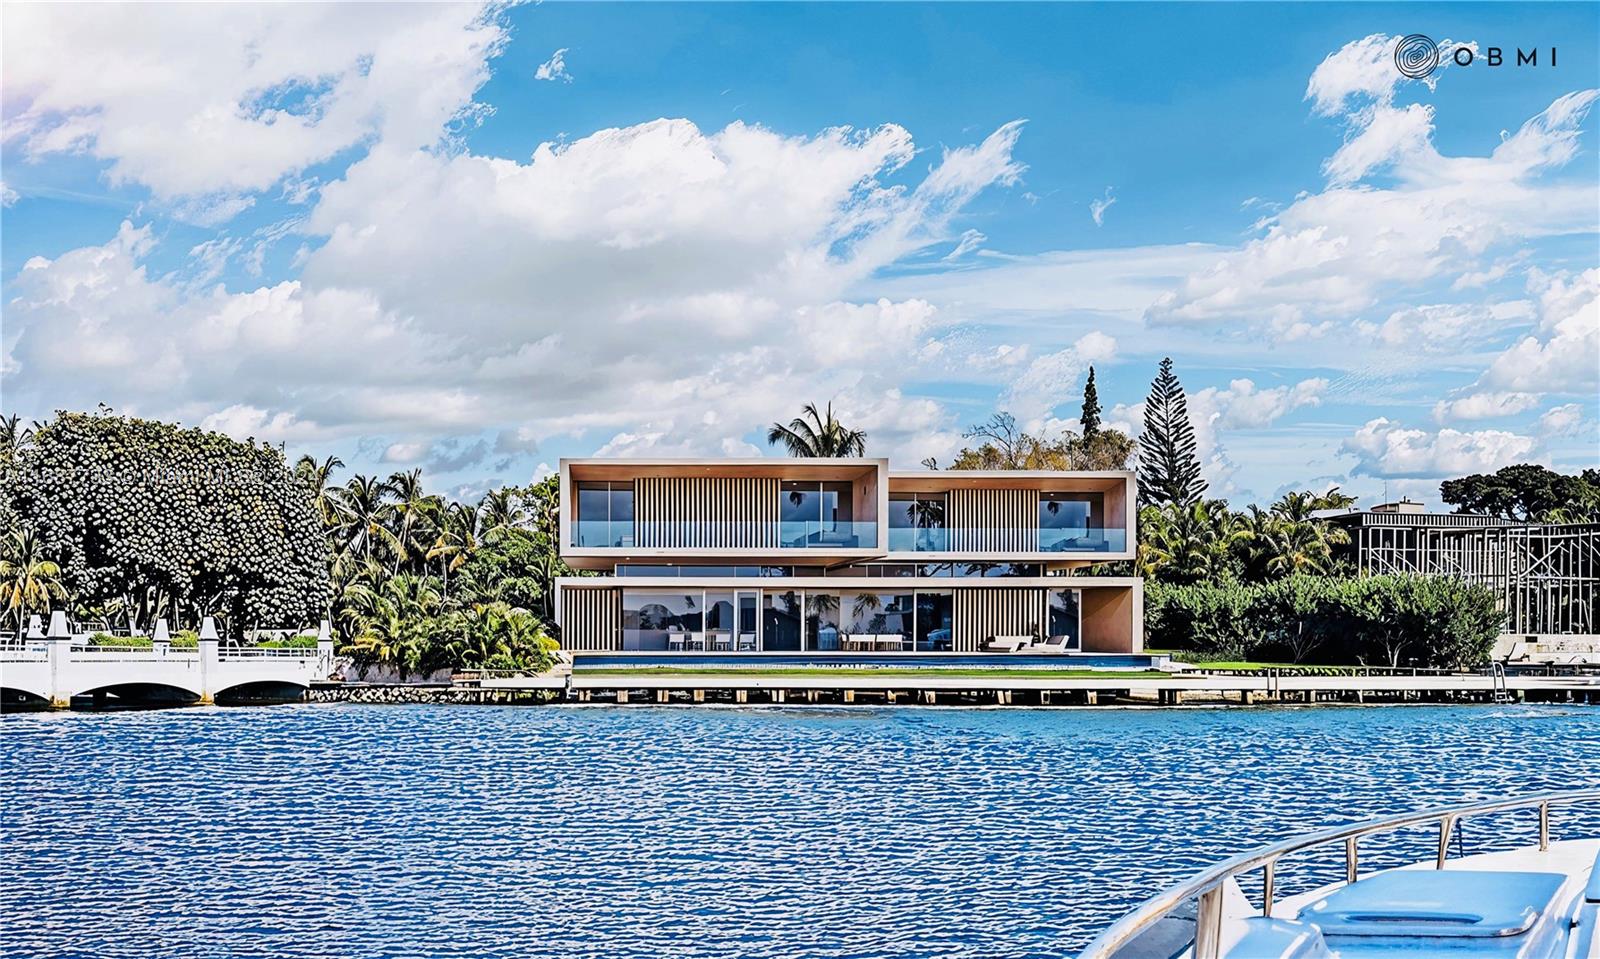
(1207, 886)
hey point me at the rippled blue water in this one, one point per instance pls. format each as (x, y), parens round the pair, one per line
(638, 831)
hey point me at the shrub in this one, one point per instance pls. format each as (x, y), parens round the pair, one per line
(302, 641)
(1380, 620)
(106, 639)
(186, 639)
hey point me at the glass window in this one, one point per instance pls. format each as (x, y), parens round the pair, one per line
(604, 514)
(661, 620)
(879, 622)
(782, 619)
(997, 569)
(720, 623)
(1065, 618)
(935, 616)
(1068, 520)
(642, 569)
(822, 620)
(936, 569)
(816, 514)
(916, 522)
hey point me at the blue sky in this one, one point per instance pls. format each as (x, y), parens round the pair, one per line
(417, 236)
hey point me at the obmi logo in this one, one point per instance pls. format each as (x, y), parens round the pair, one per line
(1417, 56)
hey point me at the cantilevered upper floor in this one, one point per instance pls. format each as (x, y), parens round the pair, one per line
(832, 512)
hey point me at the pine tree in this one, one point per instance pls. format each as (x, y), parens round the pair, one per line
(1091, 408)
(1169, 470)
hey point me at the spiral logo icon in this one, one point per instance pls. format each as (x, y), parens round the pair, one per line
(1416, 56)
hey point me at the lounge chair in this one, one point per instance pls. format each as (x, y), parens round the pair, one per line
(1007, 644)
(1055, 644)
(747, 642)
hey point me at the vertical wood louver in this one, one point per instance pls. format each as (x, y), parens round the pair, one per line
(591, 619)
(994, 520)
(983, 612)
(719, 512)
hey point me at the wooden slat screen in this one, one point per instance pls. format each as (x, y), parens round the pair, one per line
(591, 619)
(996, 611)
(731, 512)
(994, 520)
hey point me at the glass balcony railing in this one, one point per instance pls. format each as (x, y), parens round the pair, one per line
(628, 534)
(906, 539)
(599, 533)
(1063, 540)
(832, 534)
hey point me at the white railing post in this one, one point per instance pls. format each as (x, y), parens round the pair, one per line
(35, 627)
(324, 649)
(208, 658)
(59, 640)
(161, 641)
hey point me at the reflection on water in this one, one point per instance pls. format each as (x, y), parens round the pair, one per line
(433, 831)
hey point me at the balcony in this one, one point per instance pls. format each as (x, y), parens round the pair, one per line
(1010, 540)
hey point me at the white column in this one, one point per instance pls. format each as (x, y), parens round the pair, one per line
(60, 644)
(162, 640)
(324, 649)
(208, 659)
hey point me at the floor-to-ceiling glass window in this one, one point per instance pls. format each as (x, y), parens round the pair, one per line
(812, 513)
(659, 620)
(935, 622)
(1066, 618)
(822, 620)
(916, 522)
(783, 620)
(877, 622)
(603, 515)
(1071, 521)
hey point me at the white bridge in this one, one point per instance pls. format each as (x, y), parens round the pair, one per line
(57, 666)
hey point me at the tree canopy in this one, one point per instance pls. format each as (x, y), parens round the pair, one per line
(1005, 446)
(1527, 492)
(151, 519)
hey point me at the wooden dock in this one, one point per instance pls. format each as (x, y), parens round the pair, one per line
(860, 687)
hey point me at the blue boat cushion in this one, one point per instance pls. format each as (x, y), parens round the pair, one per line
(1451, 903)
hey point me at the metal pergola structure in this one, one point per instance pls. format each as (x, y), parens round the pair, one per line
(1547, 575)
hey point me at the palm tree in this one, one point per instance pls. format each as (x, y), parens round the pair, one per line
(456, 538)
(28, 579)
(319, 474)
(418, 515)
(363, 509)
(13, 435)
(822, 436)
(1188, 543)
(500, 510)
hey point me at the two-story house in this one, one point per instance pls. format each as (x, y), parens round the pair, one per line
(753, 556)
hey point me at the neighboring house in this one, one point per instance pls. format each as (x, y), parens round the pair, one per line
(840, 556)
(1547, 575)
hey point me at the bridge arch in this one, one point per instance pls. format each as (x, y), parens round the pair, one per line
(18, 698)
(276, 690)
(143, 694)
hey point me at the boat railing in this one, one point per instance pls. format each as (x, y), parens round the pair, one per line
(1207, 888)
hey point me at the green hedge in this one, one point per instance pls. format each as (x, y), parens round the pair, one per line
(1373, 620)
(302, 641)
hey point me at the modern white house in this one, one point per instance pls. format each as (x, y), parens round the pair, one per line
(843, 556)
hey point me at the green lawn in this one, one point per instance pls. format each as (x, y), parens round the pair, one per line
(941, 672)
